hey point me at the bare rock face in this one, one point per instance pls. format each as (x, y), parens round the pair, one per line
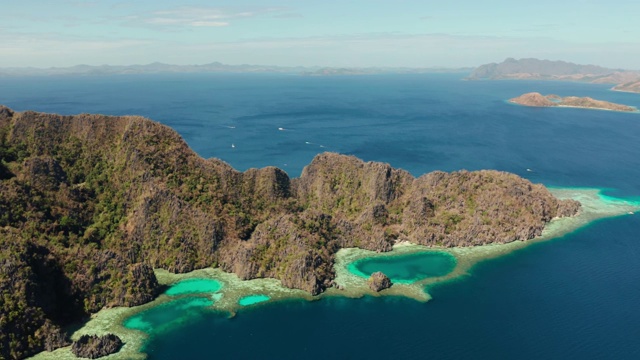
(296, 249)
(568, 208)
(93, 346)
(378, 281)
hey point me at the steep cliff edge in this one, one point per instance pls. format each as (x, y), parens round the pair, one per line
(90, 204)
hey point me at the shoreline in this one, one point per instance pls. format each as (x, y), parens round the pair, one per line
(595, 206)
(636, 111)
(625, 91)
(595, 108)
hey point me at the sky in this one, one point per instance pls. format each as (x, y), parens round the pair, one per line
(358, 33)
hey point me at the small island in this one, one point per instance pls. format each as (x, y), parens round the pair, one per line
(94, 346)
(538, 100)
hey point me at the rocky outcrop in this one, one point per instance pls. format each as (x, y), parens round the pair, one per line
(93, 346)
(93, 203)
(54, 337)
(378, 281)
(141, 285)
(533, 99)
(568, 208)
(538, 100)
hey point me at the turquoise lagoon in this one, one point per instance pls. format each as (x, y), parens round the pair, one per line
(168, 315)
(407, 268)
(253, 299)
(194, 286)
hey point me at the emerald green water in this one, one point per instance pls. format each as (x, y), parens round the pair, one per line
(167, 315)
(406, 269)
(253, 299)
(194, 286)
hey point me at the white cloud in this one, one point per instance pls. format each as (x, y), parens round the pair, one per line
(196, 16)
(209, 23)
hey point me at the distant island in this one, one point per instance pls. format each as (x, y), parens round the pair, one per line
(217, 67)
(633, 86)
(92, 204)
(535, 69)
(538, 100)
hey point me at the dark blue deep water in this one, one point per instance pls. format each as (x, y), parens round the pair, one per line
(574, 297)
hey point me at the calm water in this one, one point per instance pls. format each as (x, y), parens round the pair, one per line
(574, 297)
(253, 299)
(194, 286)
(407, 268)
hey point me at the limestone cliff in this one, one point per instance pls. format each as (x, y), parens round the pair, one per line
(90, 204)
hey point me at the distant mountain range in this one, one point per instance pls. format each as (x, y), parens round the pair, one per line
(215, 67)
(535, 69)
(531, 69)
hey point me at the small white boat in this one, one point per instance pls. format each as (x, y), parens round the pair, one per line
(281, 129)
(233, 145)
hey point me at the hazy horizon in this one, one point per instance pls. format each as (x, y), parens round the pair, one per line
(374, 33)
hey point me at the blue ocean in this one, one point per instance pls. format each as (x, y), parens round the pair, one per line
(572, 297)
